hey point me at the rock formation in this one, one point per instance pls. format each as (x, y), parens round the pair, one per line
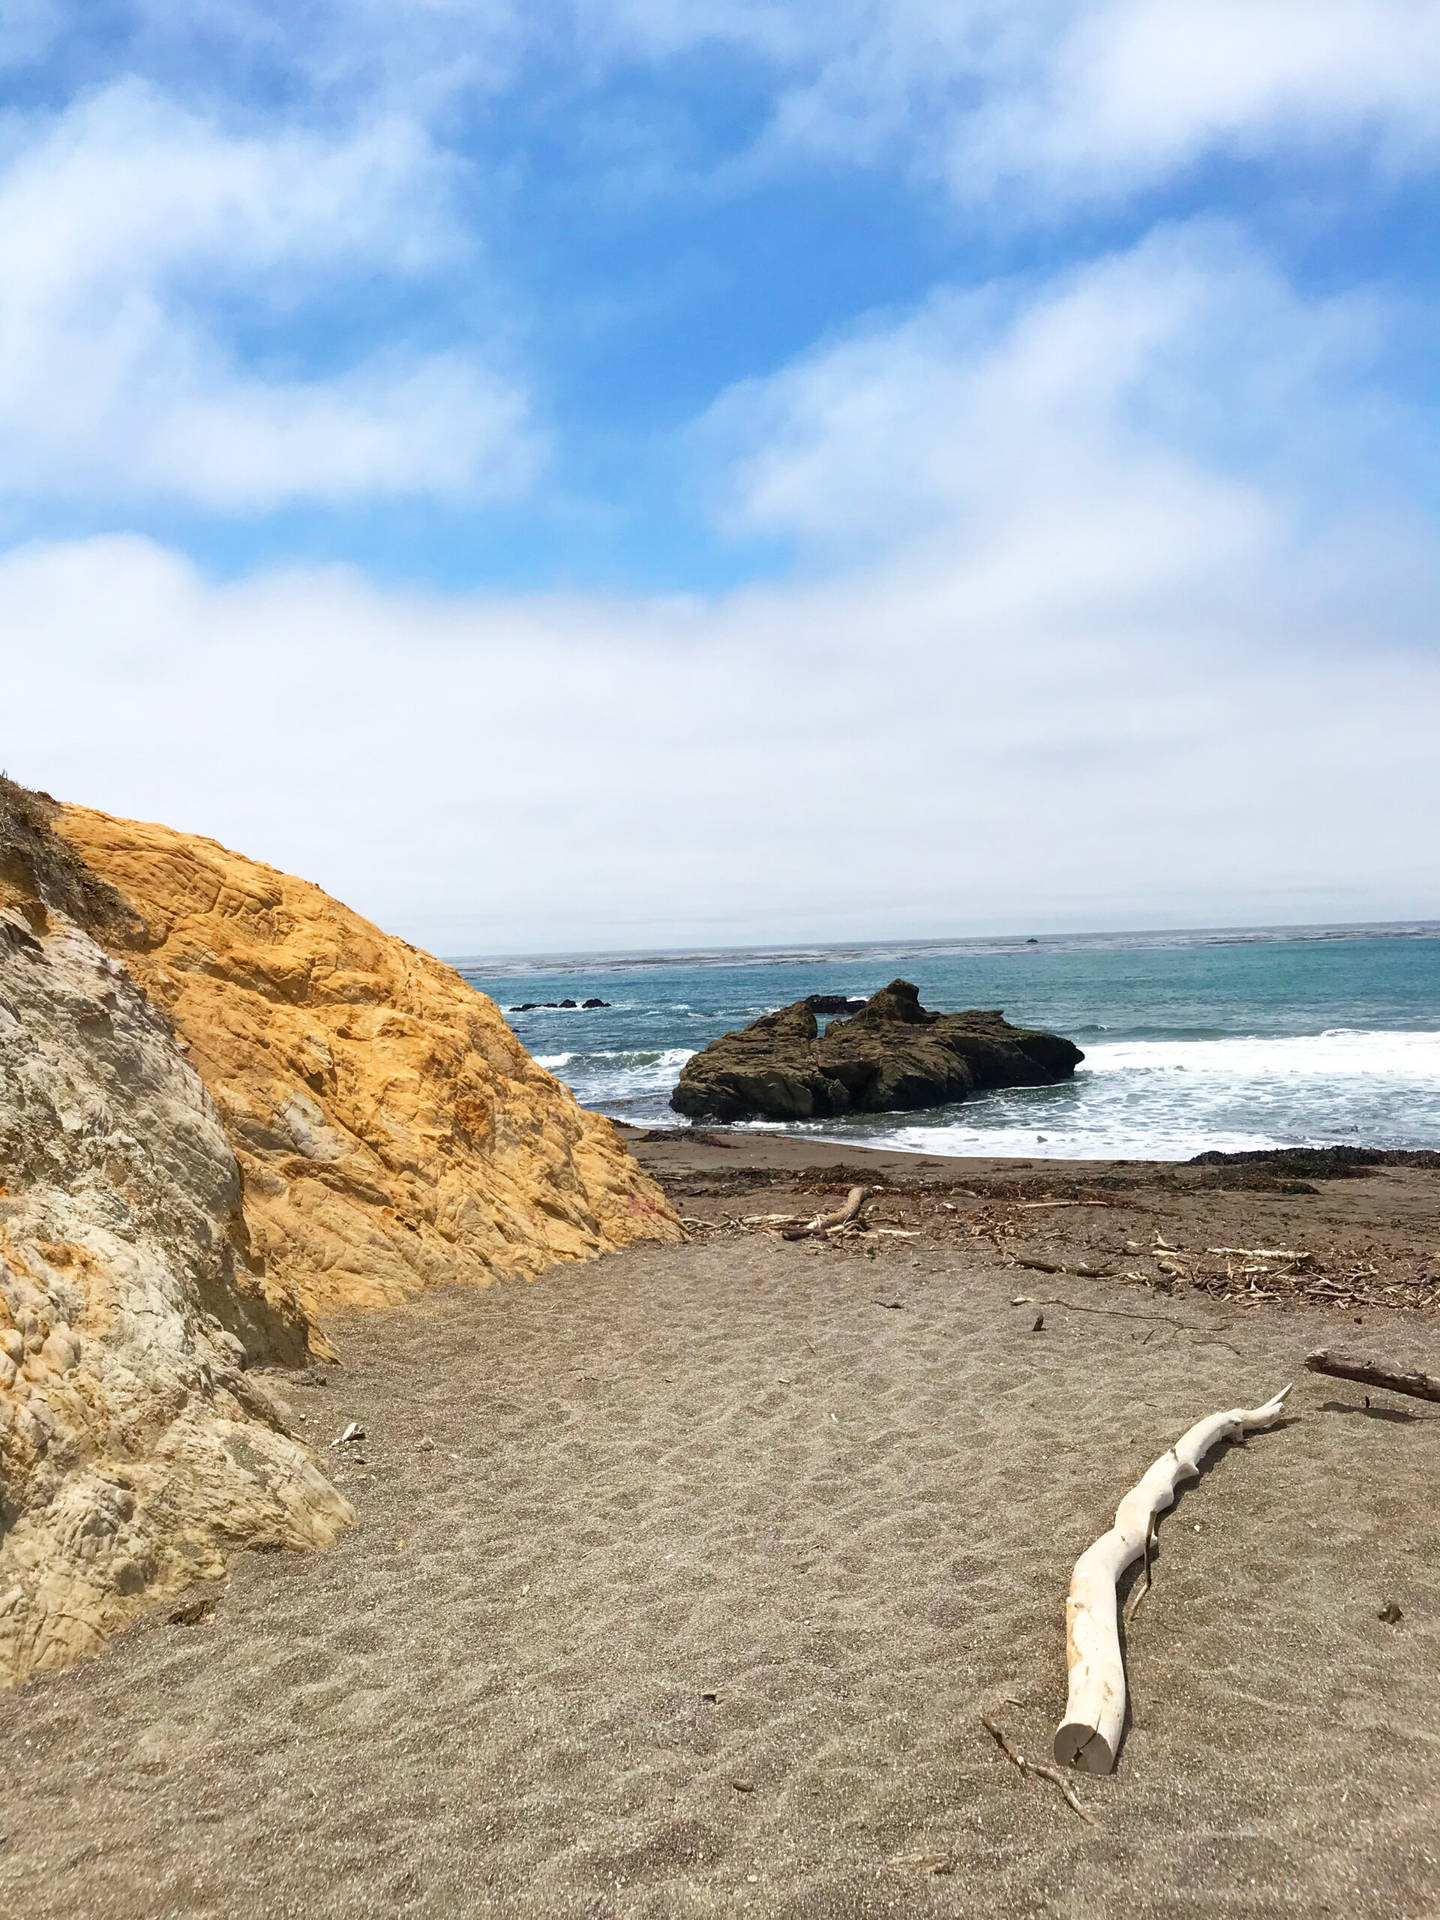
(392, 1131)
(135, 1450)
(228, 1104)
(892, 1056)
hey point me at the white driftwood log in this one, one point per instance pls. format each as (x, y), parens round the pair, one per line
(1089, 1735)
(827, 1223)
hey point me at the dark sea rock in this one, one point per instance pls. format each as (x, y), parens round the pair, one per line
(832, 1003)
(892, 1056)
(532, 1006)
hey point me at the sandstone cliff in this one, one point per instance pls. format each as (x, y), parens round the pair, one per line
(135, 1452)
(392, 1131)
(228, 1105)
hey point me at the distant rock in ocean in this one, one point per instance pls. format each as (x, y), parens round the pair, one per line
(532, 1006)
(228, 1105)
(892, 1056)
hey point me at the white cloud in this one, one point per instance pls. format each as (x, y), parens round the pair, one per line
(1060, 101)
(912, 752)
(128, 224)
(1068, 656)
(1179, 389)
(1038, 102)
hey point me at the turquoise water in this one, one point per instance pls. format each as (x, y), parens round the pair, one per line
(1193, 1040)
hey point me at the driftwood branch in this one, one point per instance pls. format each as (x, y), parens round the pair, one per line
(1041, 1772)
(825, 1224)
(1264, 1253)
(1089, 1735)
(1370, 1373)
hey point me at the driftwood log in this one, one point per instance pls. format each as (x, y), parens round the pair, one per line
(1370, 1373)
(1089, 1735)
(825, 1224)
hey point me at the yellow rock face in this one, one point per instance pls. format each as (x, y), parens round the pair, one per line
(137, 1449)
(391, 1130)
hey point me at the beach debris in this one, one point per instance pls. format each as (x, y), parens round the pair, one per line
(924, 1862)
(1081, 1271)
(1039, 1326)
(1117, 1313)
(1390, 1614)
(1163, 1243)
(1262, 1253)
(1372, 1373)
(353, 1432)
(892, 1306)
(824, 1225)
(425, 1443)
(1033, 1206)
(1089, 1735)
(1040, 1770)
(743, 1786)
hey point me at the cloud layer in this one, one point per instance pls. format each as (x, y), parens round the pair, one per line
(138, 235)
(1079, 665)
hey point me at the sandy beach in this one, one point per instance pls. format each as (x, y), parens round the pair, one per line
(683, 1577)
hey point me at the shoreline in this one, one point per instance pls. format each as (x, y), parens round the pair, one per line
(1328, 1229)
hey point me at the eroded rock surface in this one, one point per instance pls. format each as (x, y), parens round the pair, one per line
(892, 1056)
(391, 1129)
(135, 1451)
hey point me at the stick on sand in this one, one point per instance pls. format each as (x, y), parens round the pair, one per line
(1370, 1373)
(1089, 1735)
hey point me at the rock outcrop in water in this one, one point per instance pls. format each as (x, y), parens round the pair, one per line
(226, 1105)
(392, 1131)
(892, 1056)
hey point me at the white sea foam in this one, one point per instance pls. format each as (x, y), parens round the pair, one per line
(1339, 1053)
(617, 1075)
(1172, 1099)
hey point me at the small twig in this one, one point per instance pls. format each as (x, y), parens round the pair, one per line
(1113, 1313)
(1052, 1774)
(1032, 1206)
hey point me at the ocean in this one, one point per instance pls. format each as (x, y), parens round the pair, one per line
(1193, 1041)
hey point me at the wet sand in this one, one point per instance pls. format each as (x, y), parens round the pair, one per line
(682, 1579)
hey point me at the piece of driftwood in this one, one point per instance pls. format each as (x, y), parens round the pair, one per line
(1089, 1735)
(1370, 1373)
(1264, 1253)
(827, 1223)
(1040, 1771)
(1083, 1272)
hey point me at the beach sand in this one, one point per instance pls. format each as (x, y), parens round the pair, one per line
(682, 1579)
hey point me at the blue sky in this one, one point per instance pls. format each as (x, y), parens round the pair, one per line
(625, 472)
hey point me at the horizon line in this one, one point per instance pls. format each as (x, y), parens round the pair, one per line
(660, 956)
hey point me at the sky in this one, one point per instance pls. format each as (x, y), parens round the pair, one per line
(629, 474)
